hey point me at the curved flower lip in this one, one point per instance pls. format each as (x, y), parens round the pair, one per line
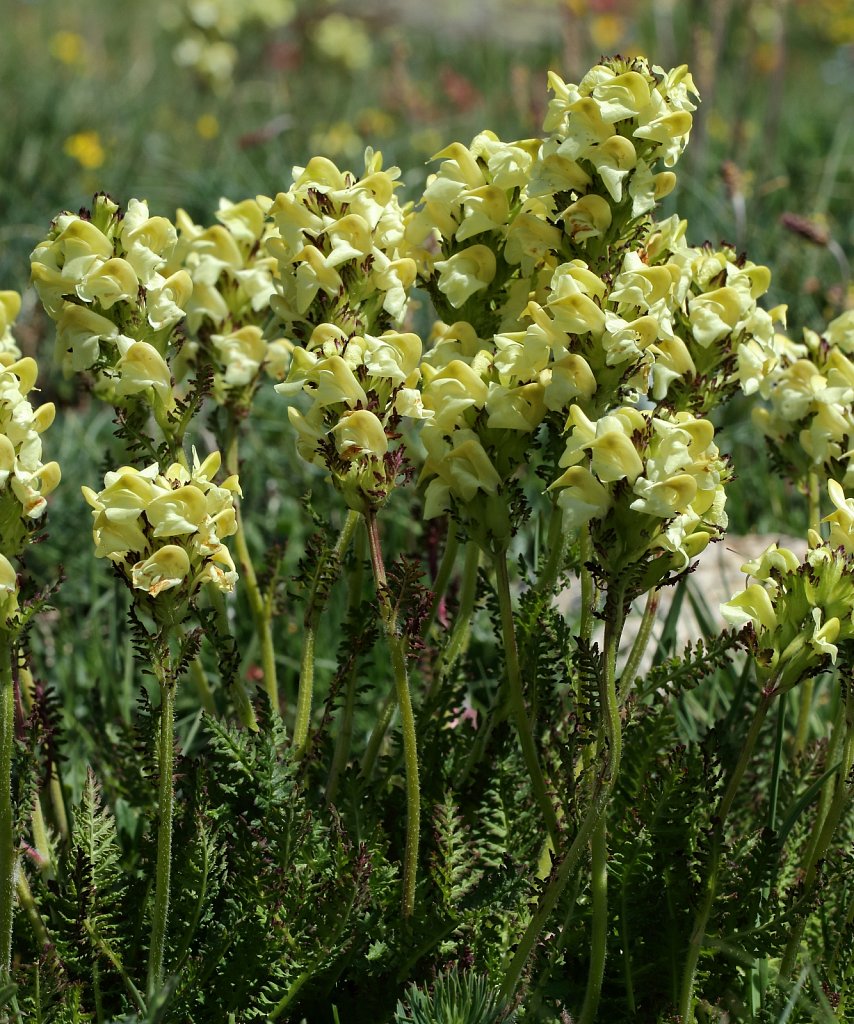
(360, 431)
(466, 272)
(754, 605)
(165, 569)
(177, 512)
(582, 497)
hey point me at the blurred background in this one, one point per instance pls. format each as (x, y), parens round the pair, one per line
(184, 101)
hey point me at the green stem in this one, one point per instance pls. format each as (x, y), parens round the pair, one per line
(642, 637)
(698, 934)
(588, 590)
(556, 544)
(443, 576)
(774, 792)
(837, 733)
(397, 650)
(615, 613)
(165, 802)
(107, 950)
(28, 905)
(242, 704)
(825, 830)
(599, 935)
(261, 609)
(200, 678)
(807, 688)
(7, 835)
(344, 738)
(814, 501)
(517, 701)
(314, 608)
(378, 735)
(624, 942)
(462, 626)
(804, 708)
(598, 805)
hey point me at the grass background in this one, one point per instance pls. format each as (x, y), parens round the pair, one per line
(96, 100)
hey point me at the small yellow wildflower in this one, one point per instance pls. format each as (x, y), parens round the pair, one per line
(207, 126)
(68, 47)
(86, 149)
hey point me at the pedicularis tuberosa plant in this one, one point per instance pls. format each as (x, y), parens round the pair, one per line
(486, 804)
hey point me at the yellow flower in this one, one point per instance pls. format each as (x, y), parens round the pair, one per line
(168, 567)
(466, 272)
(68, 47)
(360, 431)
(207, 126)
(86, 149)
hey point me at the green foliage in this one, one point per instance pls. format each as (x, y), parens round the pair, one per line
(453, 998)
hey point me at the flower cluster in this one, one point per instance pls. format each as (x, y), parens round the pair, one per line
(483, 415)
(359, 387)
(341, 250)
(810, 421)
(650, 488)
(233, 280)
(713, 337)
(164, 531)
(684, 330)
(99, 277)
(477, 236)
(606, 136)
(25, 480)
(797, 615)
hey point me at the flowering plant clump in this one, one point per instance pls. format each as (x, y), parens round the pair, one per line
(432, 782)
(164, 531)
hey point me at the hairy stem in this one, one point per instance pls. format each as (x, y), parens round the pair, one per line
(397, 650)
(165, 802)
(642, 637)
(378, 732)
(313, 610)
(517, 701)
(588, 590)
(7, 837)
(599, 934)
(28, 905)
(462, 626)
(199, 676)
